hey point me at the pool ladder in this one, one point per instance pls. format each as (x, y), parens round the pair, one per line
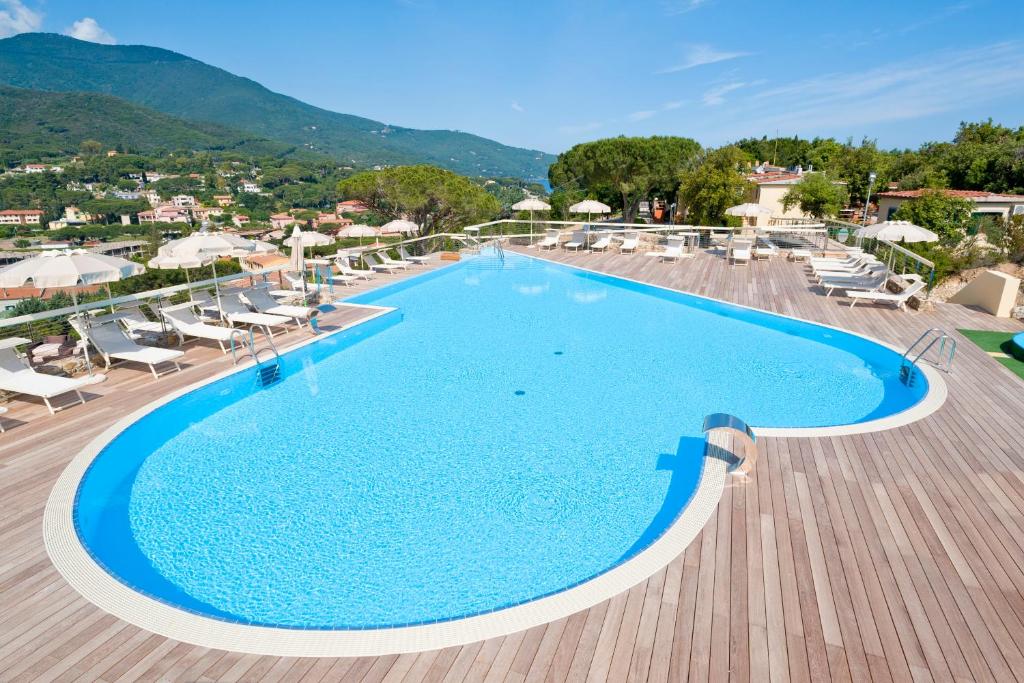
(266, 373)
(945, 352)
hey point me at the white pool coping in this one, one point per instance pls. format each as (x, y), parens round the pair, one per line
(93, 582)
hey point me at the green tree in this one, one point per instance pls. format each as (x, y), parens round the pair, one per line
(634, 169)
(435, 199)
(948, 217)
(713, 185)
(90, 148)
(816, 195)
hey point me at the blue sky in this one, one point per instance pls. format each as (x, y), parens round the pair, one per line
(550, 74)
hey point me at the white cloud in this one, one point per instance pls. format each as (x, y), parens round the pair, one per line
(676, 7)
(716, 95)
(931, 84)
(675, 104)
(16, 18)
(699, 55)
(89, 29)
(641, 115)
(517, 107)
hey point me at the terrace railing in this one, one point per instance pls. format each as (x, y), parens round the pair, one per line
(901, 260)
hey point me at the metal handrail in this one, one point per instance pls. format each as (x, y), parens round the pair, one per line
(939, 336)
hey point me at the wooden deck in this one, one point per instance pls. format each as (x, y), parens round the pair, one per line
(895, 555)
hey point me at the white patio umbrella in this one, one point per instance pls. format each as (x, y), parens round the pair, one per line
(360, 231)
(399, 227)
(748, 210)
(590, 206)
(896, 231)
(297, 259)
(69, 268)
(531, 204)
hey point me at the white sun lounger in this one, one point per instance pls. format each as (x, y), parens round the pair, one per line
(17, 378)
(550, 240)
(867, 283)
(740, 251)
(112, 343)
(406, 256)
(237, 313)
(630, 243)
(264, 303)
(346, 269)
(388, 261)
(601, 244)
(577, 241)
(138, 324)
(377, 265)
(183, 319)
(880, 297)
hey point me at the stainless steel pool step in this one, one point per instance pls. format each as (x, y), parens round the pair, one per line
(266, 373)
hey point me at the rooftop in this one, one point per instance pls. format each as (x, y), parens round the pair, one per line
(965, 194)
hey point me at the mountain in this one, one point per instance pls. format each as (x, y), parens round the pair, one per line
(36, 123)
(189, 89)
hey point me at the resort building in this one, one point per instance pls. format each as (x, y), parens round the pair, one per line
(249, 186)
(183, 200)
(986, 204)
(769, 188)
(21, 217)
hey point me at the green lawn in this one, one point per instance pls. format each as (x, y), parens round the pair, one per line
(999, 342)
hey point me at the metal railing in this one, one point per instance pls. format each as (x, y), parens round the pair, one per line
(899, 259)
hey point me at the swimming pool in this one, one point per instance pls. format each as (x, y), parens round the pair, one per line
(515, 428)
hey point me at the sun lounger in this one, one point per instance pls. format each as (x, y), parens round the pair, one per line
(630, 244)
(740, 252)
(17, 378)
(185, 321)
(346, 269)
(880, 297)
(113, 343)
(264, 303)
(377, 265)
(138, 325)
(388, 261)
(406, 256)
(601, 244)
(237, 313)
(550, 240)
(577, 241)
(866, 283)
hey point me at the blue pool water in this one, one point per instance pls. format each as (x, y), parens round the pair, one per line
(514, 429)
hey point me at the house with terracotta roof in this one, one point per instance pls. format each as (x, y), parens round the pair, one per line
(986, 204)
(282, 220)
(21, 217)
(223, 199)
(351, 206)
(12, 296)
(769, 187)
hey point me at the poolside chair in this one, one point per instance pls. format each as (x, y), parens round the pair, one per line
(577, 241)
(113, 343)
(630, 243)
(138, 325)
(18, 378)
(236, 312)
(602, 243)
(898, 300)
(869, 283)
(346, 269)
(740, 252)
(550, 240)
(206, 304)
(388, 261)
(406, 256)
(377, 265)
(261, 300)
(674, 251)
(184, 320)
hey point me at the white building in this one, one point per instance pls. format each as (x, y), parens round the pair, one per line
(183, 200)
(249, 186)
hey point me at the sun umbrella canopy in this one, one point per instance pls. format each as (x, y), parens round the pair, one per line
(358, 230)
(68, 268)
(172, 262)
(397, 227)
(590, 206)
(531, 204)
(212, 244)
(897, 231)
(314, 239)
(748, 210)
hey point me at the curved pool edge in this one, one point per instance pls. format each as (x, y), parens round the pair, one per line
(933, 399)
(74, 562)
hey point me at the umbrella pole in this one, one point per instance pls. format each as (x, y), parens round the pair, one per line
(216, 288)
(110, 298)
(531, 226)
(85, 340)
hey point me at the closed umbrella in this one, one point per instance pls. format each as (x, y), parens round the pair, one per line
(69, 268)
(531, 204)
(590, 206)
(399, 227)
(896, 231)
(297, 259)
